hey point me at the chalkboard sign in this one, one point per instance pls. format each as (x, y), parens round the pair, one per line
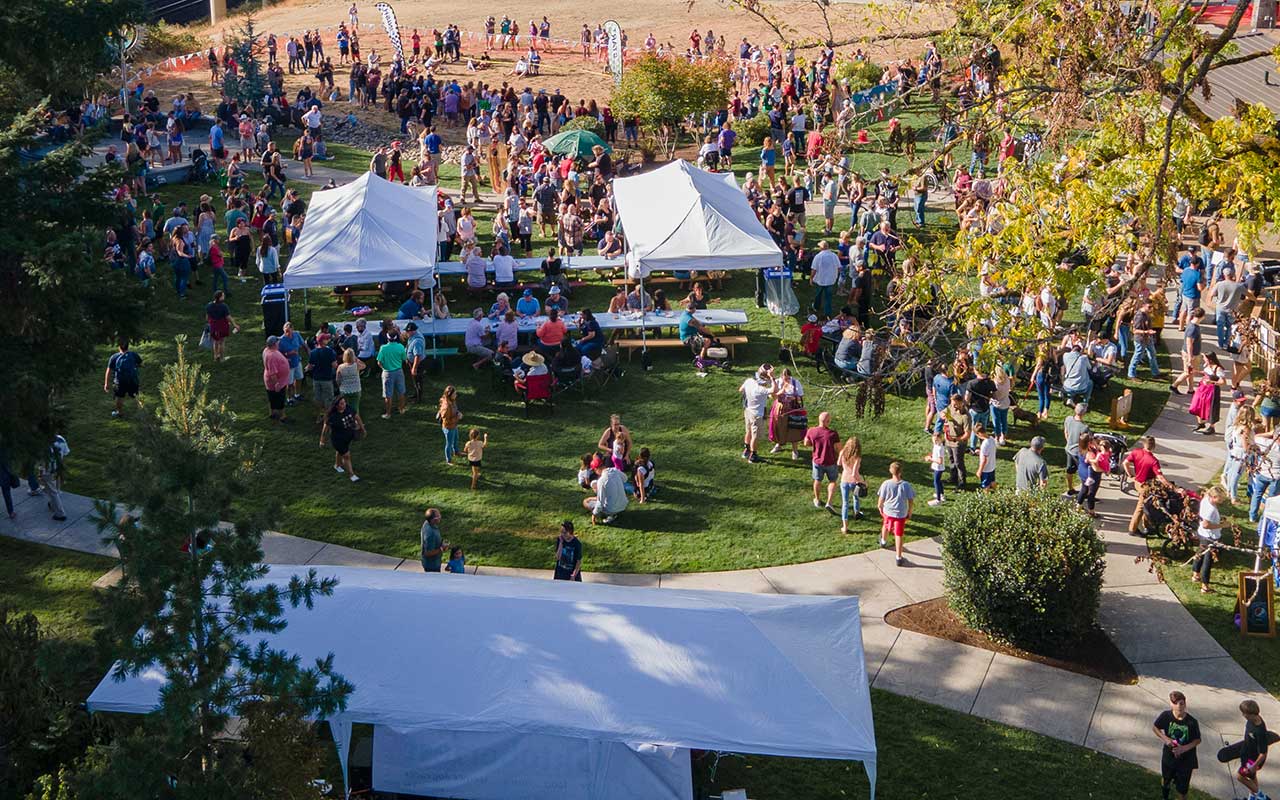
(1256, 604)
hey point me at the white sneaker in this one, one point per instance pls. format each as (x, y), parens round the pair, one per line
(795, 455)
(935, 501)
(817, 503)
(339, 470)
(883, 543)
(775, 448)
(355, 478)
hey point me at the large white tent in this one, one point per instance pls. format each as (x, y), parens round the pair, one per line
(680, 217)
(509, 687)
(368, 231)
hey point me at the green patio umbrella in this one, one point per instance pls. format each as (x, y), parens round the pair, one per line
(576, 143)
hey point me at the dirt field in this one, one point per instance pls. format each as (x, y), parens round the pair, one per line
(670, 21)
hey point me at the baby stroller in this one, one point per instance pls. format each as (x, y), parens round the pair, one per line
(1117, 448)
(713, 356)
(201, 169)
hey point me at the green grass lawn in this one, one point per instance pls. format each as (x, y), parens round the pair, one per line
(931, 753)
(56, 586)
(715, 511)
(1259, 656)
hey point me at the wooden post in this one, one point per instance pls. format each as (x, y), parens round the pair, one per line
(1120, 408)
(217, 11)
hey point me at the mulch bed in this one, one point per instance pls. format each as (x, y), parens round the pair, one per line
(1094, 656)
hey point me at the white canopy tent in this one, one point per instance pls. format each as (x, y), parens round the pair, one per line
(680, 217)
(368, 231)
(570, 690)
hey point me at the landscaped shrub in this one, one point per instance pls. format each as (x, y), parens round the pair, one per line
(860, 74)
(164, 40)
(586, 122)
(751, 131)
(1023, 568)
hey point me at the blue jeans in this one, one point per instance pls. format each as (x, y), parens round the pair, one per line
(1260, 488)
(917, 204)
(220, 277)
(1140, 352)
(1043, 400)
(974, 418)
(937, 484)
(1123, 340)
(1222, 321)
(450, 443)
(181, 275)
(822, 294)
(999, 421)
(846, 493)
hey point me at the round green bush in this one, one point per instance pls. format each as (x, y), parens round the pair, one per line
(585, 122)
(1025, 569)
(752, 130)
(860, 74)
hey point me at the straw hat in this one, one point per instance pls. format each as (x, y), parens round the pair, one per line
(533, 359)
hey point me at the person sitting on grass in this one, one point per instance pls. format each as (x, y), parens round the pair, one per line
(610, 498)
(644, 475)
(587, 471)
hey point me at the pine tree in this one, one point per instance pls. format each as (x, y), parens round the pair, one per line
(249, 86)
(59, 297)
(191, 603)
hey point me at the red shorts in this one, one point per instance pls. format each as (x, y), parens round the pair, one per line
(894, 525)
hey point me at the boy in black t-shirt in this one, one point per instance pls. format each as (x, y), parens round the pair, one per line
(1252, 750)
(1180, 734)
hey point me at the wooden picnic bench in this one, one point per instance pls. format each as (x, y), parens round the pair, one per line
(631, 345)
(349, 295)
(669, 280)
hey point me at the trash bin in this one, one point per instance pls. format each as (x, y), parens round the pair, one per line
(275, 309)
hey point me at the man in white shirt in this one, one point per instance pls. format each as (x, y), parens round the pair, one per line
(313, 118)
(755, 391)
(823, 273)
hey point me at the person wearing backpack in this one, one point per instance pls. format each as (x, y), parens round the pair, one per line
(122, 373)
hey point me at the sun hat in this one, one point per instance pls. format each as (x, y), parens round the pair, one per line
(533, 359)
(555, 289)
(813, 317)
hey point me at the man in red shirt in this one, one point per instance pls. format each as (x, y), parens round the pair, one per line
(1143, 467)
(826, 446)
